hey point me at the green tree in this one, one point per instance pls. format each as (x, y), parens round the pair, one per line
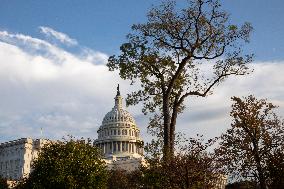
(3, 183)
(69, 164)
(179, 53)
(253, 147)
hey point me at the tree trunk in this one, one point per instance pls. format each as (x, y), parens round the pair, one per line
(166, 137)
(172, 129)
(262, 181)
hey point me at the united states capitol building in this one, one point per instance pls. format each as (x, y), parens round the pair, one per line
(118, 138)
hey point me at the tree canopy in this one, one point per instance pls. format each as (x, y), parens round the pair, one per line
(69, 164)
(179, 53)
(3, 183)
(252, 148)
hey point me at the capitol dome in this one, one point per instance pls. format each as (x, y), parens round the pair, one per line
(117, 114)
(119, 136)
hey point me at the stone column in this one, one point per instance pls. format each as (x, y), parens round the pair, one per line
(103, 148)
(108, 147)
(112, 147)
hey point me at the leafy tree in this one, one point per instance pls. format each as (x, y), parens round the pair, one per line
(121, 179)
(3, 183)
(194, 168)
(68, 164)
(179, 53)
(276, 169)
(253, 146)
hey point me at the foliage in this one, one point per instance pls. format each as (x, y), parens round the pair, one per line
(276, 170)
(179, 53)
(242, 185)
(252, 148)
(68, 164)
(193, 168)
(121, 179)
(3, 183)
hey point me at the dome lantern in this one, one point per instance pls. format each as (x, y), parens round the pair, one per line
(118, 99)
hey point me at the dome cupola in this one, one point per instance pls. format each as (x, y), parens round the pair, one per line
(118, 114)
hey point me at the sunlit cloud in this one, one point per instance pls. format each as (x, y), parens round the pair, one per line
(62, 37)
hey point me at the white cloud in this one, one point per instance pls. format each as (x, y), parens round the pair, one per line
(210, 115)
(45, 86)
(62, 37)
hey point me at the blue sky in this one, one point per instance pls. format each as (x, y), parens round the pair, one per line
(53, 74)
(102, 25)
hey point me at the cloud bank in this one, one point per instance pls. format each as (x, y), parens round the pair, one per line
(45, 86)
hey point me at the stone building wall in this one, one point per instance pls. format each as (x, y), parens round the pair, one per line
(16, 157)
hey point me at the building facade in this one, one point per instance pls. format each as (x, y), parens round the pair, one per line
(16, 157)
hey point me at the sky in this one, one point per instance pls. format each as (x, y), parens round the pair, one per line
(53, 74)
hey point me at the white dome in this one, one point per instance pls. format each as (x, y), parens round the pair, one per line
(117, 115)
